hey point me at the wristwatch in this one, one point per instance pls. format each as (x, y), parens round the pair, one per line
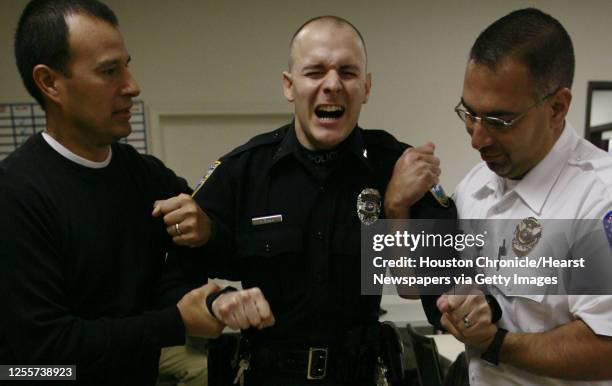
(491, 355)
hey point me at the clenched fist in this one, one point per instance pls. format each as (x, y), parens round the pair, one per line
(243, 309)
(415, 172)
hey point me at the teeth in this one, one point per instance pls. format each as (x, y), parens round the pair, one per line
(330, 108)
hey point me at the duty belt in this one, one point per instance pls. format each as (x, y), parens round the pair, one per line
(311, 363)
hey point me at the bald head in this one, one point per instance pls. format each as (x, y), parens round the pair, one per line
(327, 81)
(323, 23)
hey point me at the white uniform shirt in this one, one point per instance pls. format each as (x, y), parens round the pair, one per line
(573, 181)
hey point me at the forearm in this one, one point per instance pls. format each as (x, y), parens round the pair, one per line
(571, 351)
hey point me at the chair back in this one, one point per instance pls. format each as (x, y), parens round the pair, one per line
(427, 359)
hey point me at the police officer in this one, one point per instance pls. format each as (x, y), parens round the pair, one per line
(516, 96)
(283, 213)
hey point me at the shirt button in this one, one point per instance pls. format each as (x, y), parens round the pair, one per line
(267, 248)
(320, 235)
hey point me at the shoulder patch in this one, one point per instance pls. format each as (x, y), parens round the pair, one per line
(607, 223)
(209, 172)
(440, 195)
(264, 139)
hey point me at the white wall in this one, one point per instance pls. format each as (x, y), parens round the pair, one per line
(193, 55)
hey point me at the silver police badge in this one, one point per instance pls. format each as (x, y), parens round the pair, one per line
(526, 235)
(368, 206)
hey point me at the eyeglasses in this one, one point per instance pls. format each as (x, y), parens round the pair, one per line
(493, 123)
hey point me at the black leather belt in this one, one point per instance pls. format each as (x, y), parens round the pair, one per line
(311, 364)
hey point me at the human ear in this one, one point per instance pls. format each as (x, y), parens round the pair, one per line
(46, 79)
(368, 86)
(560, 104)
(288, 86)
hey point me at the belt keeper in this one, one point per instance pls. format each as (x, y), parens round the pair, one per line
(315, 356)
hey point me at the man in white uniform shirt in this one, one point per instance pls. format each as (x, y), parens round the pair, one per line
(516, 95)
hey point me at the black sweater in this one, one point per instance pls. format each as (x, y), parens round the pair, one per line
(83, 275)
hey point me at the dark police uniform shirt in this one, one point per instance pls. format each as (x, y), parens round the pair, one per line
(307, 265)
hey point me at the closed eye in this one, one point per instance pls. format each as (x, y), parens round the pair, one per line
(109, 71)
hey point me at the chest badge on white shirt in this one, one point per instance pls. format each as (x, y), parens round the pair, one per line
(368, 206)
(526, 236)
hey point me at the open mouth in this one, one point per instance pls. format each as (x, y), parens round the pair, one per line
(329, 111)
(123, 114)
(123, 111)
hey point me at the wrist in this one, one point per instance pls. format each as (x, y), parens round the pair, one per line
(396, 210)
(492, 353)
(210, 299)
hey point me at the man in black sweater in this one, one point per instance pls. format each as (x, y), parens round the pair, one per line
(88, 277)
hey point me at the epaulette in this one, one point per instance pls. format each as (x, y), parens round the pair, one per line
(601, 166)
(272, 137)
(383, 139)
